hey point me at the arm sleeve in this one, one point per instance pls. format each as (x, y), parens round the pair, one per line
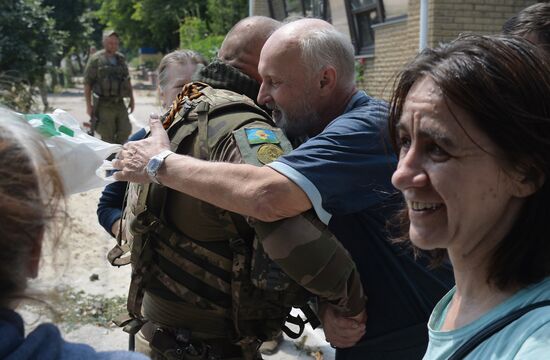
(329, 271)
(345, 169)
(110, 205)
(109, 208)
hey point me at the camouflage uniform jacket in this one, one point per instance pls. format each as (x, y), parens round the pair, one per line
(107, 78)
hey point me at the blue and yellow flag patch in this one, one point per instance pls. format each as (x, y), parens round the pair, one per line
(261, 136)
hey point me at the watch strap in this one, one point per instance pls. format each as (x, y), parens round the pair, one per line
(159, 157)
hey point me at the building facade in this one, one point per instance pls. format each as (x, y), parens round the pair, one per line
(385, 33)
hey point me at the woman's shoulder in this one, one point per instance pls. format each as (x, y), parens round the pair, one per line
(86, 352)
(528, 337)
(47, 339)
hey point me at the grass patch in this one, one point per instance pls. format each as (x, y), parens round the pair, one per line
(73, 309)
(80, 308)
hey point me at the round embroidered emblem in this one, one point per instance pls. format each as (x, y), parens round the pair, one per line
(269, 152)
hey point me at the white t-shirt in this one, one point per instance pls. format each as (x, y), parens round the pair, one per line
(526, 338)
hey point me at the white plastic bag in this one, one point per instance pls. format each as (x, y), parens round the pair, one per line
(77, 154)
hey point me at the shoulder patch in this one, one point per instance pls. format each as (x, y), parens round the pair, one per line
(261, 136)
(271, 144)
(268, 152)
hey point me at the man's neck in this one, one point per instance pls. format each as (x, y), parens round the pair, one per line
(336, 105)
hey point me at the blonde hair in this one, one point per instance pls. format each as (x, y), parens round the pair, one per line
(182, 57)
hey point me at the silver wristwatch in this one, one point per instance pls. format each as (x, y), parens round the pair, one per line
(154, 165)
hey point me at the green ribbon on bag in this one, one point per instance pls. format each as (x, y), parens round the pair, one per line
(47, 128)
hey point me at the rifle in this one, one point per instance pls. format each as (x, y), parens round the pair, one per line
(92, 124)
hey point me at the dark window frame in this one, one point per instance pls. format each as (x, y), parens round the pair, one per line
(363, 47)
(325, 15)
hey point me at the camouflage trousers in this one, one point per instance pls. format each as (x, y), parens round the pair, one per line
(113, 123)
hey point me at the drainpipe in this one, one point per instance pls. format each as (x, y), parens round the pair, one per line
(251, 7)
(423, 36)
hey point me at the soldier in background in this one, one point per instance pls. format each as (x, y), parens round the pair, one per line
(106, 77)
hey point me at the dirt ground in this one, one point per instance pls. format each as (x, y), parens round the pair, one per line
(83, 292)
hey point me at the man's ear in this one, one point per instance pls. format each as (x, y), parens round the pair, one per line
(327, 81)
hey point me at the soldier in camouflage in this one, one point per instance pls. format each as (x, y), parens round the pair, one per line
(106, 84)
(200, 274)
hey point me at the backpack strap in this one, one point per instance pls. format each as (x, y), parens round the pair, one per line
(202, 110)
(493, 328)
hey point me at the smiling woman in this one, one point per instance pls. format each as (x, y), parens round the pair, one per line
(471, 124)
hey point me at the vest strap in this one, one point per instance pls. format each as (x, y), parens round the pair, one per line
(202, 112)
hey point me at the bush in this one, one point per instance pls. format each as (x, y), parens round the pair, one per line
(15, 93)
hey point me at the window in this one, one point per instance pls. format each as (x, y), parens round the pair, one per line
(308, 8)
(362, 14)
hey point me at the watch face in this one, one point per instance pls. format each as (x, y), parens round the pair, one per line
(153, 166)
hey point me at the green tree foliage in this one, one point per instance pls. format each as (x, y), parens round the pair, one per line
(117, 14)
(148, 23)
(167, 24)
(223, 14)
(194, 35)
(28, 39)
(73, 19)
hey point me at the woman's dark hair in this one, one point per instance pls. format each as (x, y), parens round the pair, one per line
(535, 20)
(504, 84)
(31, 196)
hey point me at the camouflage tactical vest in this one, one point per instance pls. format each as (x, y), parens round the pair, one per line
(226, 272)
(113, 80)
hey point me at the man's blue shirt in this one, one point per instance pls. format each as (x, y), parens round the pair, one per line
(348, 166)
(346, 172)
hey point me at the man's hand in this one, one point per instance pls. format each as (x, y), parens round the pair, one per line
(134, 156)
(342, 331)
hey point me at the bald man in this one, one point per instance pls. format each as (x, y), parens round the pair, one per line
(342, 171)
(194, 289)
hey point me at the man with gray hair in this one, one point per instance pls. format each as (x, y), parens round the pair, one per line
(341, 170)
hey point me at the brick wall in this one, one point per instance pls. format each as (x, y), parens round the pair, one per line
(391, 52)
(397, 43)
(448, 18)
